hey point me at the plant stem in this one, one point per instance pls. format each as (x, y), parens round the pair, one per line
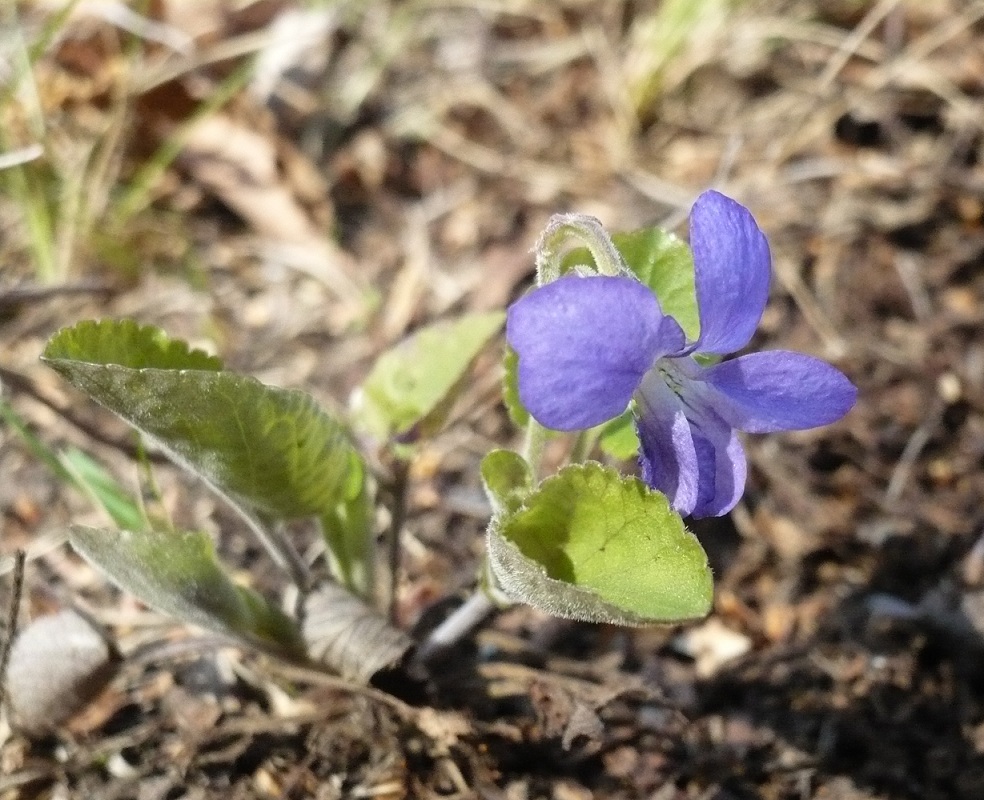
(590, 232)
(533, 443)
(398, 515)
(278, 546)
(583, 446)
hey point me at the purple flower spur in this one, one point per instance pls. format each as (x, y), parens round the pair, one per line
(589, 345)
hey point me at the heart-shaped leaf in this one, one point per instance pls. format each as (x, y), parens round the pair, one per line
(417, 377)
(178, 574)
(592, 545)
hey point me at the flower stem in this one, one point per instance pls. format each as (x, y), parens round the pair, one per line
(533, 444)
(279, 547)
(590, 232)
(583, 446)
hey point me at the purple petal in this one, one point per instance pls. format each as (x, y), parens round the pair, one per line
(667, 455)
(778, 391)
(721, 466)
(584, 345)
(732, 268)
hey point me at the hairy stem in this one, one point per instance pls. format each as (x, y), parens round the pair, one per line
(590, 232)
(583, 446)
(533, 443)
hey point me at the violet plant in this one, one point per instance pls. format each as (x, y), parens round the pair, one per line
(627, 325)
(589, 345)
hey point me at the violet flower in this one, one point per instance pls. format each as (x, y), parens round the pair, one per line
(589, 345)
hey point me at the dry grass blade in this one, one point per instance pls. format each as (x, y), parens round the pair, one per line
(850, 45)
(15, 158)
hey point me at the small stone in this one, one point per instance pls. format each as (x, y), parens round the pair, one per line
(58, 664)
(569, 790)
(949, 388)
(712, 645)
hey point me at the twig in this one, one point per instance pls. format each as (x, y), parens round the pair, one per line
(309, 675)
(919, 439)
(852, 42)
(921, 47)
(464, 619)
(24, 155)
(909, 273)
(792, 281)
(19, 295)
(13, 614)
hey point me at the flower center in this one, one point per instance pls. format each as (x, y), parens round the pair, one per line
(672, 375)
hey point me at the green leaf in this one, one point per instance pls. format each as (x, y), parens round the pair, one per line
(507, 480)
(273, 453)
(39, 449)
(78, 469)
(417, 377)
(126, 344)
(270, 449)
(663, 262)
(178, 574)
(666, 265)
(348, 532)
(592, 545)
(618, 439)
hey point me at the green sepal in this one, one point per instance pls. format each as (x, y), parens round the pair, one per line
(510, 389)
(617, 437)
(663, 262)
